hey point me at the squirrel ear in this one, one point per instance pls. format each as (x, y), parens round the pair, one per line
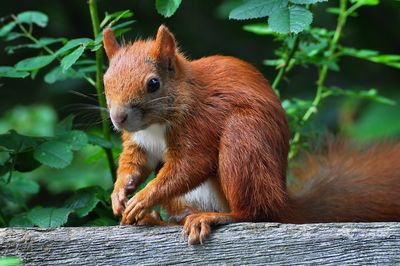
(110, 43)
(164, 46)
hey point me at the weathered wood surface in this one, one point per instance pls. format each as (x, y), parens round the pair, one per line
(238, 244)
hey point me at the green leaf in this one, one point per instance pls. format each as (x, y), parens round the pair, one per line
(19, 189)
(5, 168)
(119, 28)
(20, 221)
(83, 201)
(13, 36)
(167, 7)
(366, 2)
(71, 44)
(16, 143)
(34, 63)
(65, 125)
(259, 29)
(42, 42)
(7, 28)
(116, 16)
(48, 217)
(33, 17)
(25, 185)
(274, 62)
(307, 2)
(293, 19)
(10, 261)
(371, 94)
(58, 74)
(257, 9)
(373, 56)
(10, 72)
(55, 154)
(70, 59)
(76, 138)
(25, 162)
(99, 141)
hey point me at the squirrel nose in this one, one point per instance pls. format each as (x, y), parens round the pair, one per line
(119, 117)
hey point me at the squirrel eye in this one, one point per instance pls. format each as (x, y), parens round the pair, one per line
(153, 85)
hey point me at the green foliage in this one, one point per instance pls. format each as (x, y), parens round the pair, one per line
(22, 153)
(259, 29)
(167, 7)
(83, 201)
(257, 9)
(313, 46)
(34, 63)
(373, 56)
(10, 261)
(110, 19)
(306, 2)
(284, 16)
(10, 72)
(33, 17)
(288, 19)
(71, 59)
(54, 154)
(48, 217)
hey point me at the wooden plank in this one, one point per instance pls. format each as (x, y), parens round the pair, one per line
(237, 244)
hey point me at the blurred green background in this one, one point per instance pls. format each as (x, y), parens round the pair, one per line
(202, 28)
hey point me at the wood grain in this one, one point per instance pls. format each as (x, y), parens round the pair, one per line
(237, 244)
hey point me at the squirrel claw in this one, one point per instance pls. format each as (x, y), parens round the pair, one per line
(118, 200)
(196, 229)
(135, 210)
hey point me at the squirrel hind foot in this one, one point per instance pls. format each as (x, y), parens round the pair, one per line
(197, 227)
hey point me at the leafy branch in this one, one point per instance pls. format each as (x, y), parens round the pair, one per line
(317, 46)
(285, 66)
(28, 34)
(322, 75)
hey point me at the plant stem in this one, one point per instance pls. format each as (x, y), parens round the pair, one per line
(323, 72)
(285, 66)
(99, 86)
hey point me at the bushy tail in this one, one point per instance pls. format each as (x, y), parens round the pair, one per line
(347, 183)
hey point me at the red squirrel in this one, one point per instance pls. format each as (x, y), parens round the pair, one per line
(218, 138)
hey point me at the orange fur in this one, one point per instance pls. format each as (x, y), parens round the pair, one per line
(223, 123)
(348, 183)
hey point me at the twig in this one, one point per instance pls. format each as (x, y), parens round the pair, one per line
(285, 66)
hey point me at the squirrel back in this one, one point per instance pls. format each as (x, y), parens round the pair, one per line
(347, 183)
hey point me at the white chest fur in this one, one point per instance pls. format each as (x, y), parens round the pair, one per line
(152, 139)
(207, 197)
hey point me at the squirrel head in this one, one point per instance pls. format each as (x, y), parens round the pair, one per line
(141, 81)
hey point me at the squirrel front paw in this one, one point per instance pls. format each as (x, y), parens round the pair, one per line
(136, 209)
(122, 188)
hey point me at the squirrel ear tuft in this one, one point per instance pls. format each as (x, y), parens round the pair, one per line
(110, 43)
(164, 46)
